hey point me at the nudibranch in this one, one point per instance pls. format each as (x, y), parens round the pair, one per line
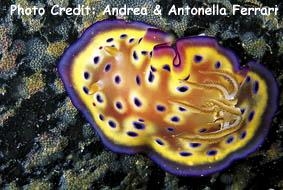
(186, 103)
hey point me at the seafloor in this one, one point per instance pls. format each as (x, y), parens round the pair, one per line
(45, 143)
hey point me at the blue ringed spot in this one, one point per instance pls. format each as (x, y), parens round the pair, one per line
(119, 105)
(86, 75)
(131, 40)
(96, 59)
(211, 152)
(170, 129)
(107, 67)
(123, 36)
(135, 56)
(138, 80)
(175, 119)
(132, 134)
(251, 116)
(109, 40)
(137, 102)
(195, 144)
(112, 124)
(99, 98)
(182, 88)
(166, 67)
(85, 89)
(217, 65)
(229, 139)
(117, 79)
(159, 141)
(198, 58)
(255, 87)
(160, 108)
(138, 125)
(150, 77)
(243, 135)
(183, 153)
(101, 117)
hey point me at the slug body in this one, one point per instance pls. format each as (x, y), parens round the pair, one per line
(186, 102)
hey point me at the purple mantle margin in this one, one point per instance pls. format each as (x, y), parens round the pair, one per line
(177, 169)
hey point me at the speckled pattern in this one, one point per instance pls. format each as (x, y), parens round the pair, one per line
(45, 142)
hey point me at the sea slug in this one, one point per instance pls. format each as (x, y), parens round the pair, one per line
(186, 103)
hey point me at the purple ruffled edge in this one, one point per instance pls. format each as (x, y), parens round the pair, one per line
(177, 169)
